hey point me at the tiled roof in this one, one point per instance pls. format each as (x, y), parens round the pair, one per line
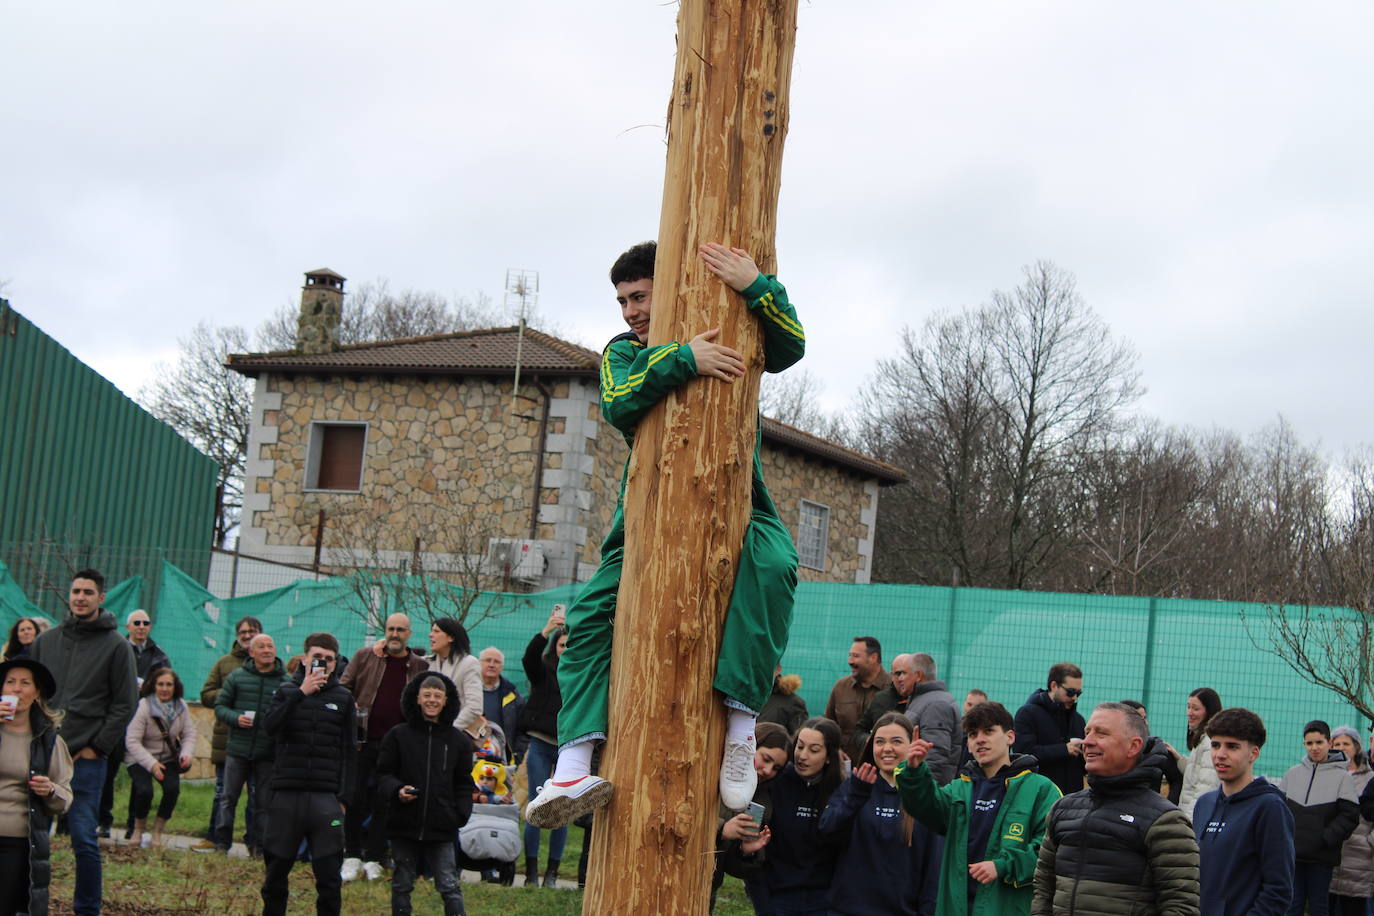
(780, 433)
(491, 351)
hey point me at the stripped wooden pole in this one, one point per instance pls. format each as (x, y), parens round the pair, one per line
(688, 495)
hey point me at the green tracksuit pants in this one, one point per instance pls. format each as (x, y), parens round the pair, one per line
(753, 641)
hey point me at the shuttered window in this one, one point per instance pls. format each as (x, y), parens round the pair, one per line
(336, 456)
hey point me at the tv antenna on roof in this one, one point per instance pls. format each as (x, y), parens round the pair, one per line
(522, 295)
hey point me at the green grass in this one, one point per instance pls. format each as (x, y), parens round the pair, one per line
(156, 882)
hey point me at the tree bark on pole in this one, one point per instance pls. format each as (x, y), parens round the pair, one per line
(687, 500)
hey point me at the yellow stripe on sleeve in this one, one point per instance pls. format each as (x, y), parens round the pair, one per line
(782, 320)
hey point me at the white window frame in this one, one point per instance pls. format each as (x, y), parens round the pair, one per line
(805, 554)
(312, 455)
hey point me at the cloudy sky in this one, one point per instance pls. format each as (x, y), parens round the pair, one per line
(1204, 169)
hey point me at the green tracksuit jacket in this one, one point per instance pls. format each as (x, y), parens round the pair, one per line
(1014, 844)
(635, 377)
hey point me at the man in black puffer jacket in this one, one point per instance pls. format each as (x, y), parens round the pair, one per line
(424, 772)
(312, 718)
(1118, 846)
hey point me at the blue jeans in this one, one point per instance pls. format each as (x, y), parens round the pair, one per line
(238, 772)
(539, 761)
(1311, 886)
(247, 811)
(88, 778)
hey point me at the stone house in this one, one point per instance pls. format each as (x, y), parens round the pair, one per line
(482, 455)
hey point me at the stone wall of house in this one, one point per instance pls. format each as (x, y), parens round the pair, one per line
(604, 486)
(449, 461)
(791, 477)
(446, 460)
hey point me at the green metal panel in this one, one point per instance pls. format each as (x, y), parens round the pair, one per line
(87, 477)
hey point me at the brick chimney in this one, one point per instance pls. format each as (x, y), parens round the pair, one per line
(317, 329)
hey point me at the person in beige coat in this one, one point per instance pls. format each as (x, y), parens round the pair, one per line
(451, 655)
(1199, 775)
(159, 743)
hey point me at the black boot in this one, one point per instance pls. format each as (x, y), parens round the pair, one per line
(551, 875)
(531, 871)
(583, 859)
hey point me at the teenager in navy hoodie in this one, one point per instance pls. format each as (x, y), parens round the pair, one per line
(1244, 828)
(798, 861)
(888, 865)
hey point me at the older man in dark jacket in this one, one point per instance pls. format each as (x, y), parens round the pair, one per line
(934, 714)
(1117, 846)
(312, 718)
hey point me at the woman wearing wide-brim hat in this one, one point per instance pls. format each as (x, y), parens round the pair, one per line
(35, 784)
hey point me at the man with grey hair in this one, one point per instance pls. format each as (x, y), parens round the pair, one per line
(501, 702)
(148, 657)
(935, 716)
(1118, 846)
(892, 698)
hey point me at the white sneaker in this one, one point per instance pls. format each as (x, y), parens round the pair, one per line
(372, 870)
(558, 806)
(737, 777)
(351, 869)
(145, 841)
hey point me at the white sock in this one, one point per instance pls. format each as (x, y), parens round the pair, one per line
(574, 762)
(739, 726)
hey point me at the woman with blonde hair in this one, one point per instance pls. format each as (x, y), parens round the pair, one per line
(35, 784)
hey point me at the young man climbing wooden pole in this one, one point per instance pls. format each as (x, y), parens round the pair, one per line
(703, 567)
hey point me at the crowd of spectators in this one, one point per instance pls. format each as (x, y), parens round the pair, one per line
(898, 800)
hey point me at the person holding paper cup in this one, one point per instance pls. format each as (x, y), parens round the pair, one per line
(33, 757)
(249, 752)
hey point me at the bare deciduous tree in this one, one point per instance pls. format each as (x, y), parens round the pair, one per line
(1324, 628)
(987, 410)
(794, 398)
(372, 312)
(442, 571)
(209, 406)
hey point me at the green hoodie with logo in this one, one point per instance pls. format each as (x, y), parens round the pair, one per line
(1014, 844)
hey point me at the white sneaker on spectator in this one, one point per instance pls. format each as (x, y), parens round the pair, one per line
(737, 777)
(351, 869)
(559, 805)
(372, 870)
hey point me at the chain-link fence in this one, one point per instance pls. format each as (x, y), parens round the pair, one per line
(1003, 642)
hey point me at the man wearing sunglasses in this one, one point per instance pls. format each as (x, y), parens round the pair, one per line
(1050, 728)
(148, 657)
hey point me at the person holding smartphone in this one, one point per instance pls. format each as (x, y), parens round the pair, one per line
(743, 834)
(424, 772)
(312, 721)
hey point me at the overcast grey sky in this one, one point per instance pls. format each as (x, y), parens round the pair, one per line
(1204, 170)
